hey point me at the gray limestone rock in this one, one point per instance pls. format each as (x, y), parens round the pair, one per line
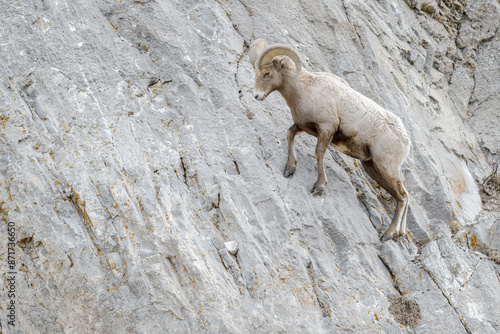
(133, 158)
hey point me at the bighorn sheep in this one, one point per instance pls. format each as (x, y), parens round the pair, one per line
(325, 106)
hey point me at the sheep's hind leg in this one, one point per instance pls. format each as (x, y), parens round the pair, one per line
(324, 139)
(402, 231)
(391, 181)
(292, 160)
(398, 224)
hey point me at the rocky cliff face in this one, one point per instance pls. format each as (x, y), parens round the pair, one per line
(133, 158)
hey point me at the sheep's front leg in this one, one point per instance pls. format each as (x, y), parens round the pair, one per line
(324, 139)
(292, 160)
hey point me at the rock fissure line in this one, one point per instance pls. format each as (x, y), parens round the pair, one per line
(234, 25)
(393, 276)
(184, 169)
(365, 205)
(324, 306)
(462, 321)
(470, 276)
(74, 199)
(240, 95)
(497, 272)
(247, 8)
(348, 16)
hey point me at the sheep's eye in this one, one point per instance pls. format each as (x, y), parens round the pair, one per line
(266, 74)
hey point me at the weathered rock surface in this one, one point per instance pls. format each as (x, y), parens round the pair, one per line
(146, 183)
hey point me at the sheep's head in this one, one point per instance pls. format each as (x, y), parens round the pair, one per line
(271, 64)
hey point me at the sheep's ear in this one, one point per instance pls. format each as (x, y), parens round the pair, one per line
(279, 61)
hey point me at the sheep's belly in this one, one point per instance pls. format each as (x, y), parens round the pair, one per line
(351, 147)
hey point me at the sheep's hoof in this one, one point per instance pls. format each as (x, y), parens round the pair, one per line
(389, 236)
(385, 237)
(288, 171)
(317, 190)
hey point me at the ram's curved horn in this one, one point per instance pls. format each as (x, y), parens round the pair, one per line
(256, 49)
(266, 57)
